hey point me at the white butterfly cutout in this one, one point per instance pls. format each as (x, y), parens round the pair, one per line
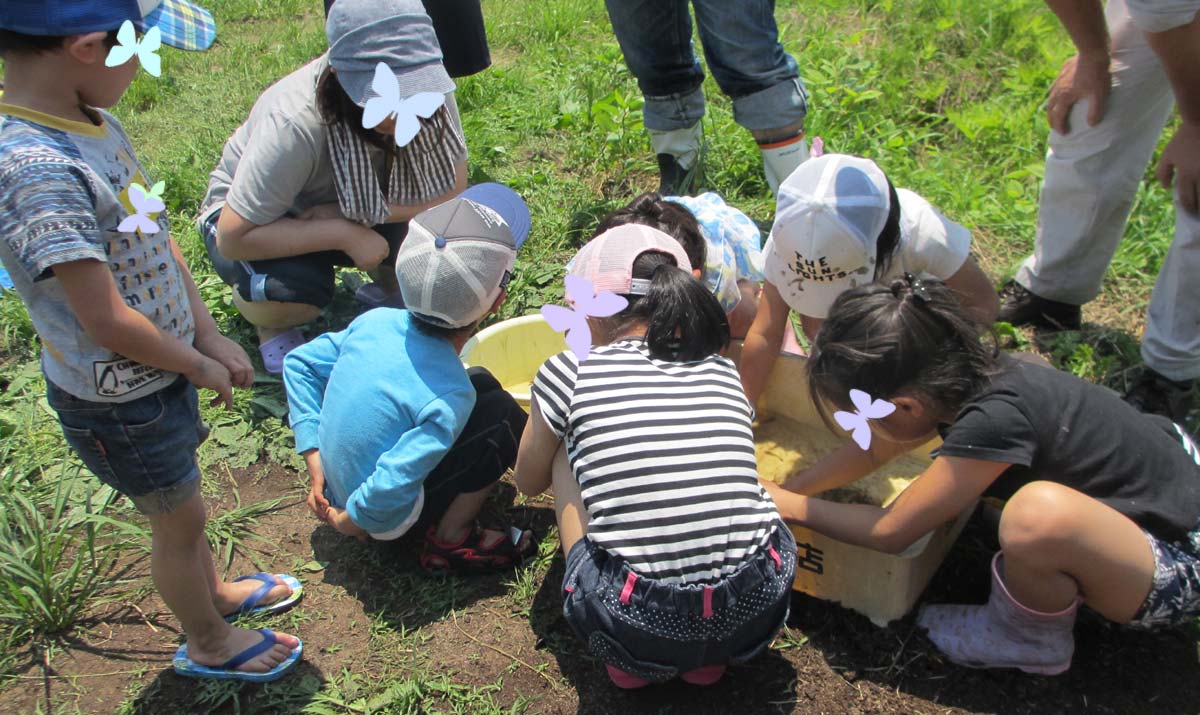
(389, 104)
(128, 45)
(144, 203)
(857, 422)
(588, 303)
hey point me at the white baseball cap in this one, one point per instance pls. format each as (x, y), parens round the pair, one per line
(828, 218)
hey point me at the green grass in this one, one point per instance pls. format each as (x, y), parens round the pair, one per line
(945, 95)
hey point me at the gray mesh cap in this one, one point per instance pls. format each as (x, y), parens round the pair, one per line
(363, 33)
(454, 262)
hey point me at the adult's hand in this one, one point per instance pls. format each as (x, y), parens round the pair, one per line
(1081, 77)
(321, 211)
(1181, 158)
(365, 247)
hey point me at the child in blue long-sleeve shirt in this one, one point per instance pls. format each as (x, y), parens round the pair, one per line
(395, 432)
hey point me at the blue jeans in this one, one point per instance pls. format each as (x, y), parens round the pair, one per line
(144, 448)
(741, 45)
(657, 630)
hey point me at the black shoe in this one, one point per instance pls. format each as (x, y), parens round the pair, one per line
(674, 180)
(1155, 394)
(1019, 307)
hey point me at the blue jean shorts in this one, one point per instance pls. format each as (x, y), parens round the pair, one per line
(1175, 596)
(657, 630)
(144, 448)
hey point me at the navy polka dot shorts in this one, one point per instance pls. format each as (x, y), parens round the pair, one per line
(657, 630)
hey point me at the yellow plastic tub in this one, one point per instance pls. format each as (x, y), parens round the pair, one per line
(513, 351)
(789, 436)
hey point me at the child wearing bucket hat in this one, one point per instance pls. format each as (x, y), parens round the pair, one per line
(839, 223)
(396, 434)
(657, 497)
(303, 186)
(127, 338)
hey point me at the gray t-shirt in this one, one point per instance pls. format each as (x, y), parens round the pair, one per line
(64, 190)
(277, 163)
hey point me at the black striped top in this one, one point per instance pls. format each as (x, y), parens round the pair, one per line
(664, 456)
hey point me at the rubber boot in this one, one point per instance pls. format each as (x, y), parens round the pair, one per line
(707, 675)
(1003, 633)
(625, 681)
(781, 158)
(678, 155)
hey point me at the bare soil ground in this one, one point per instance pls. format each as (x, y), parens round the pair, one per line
(372, 611)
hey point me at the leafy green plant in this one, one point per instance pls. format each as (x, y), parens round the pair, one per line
(54, 561)
(228, 530)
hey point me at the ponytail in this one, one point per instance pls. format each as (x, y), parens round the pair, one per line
(684, 322)
(912, 336)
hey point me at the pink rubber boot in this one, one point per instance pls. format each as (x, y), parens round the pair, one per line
(1003, 633)
(707, 675)
(624, 680)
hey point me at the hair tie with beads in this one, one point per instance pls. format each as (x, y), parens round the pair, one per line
(917, 287)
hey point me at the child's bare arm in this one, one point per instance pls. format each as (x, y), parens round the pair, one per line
(762, 342)
(975, 292)
(536, 454)
(97, 304)
(847, 464)
(209, 340)
(950, 485)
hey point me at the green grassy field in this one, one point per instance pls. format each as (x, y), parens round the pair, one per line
(945, 95)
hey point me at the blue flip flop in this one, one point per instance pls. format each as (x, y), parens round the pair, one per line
(253, 601)
(228, 670)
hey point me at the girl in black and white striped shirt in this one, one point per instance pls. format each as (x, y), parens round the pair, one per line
(677, 561)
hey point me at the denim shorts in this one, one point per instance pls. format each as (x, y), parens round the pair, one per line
(658, 630)
(1175, 596)
(144, 448)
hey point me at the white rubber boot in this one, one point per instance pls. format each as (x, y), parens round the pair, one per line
(1003, 633)
(781, 158)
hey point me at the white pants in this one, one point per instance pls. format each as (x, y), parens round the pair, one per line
(1092, 177)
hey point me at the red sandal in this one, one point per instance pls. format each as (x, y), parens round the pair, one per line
(478, 551)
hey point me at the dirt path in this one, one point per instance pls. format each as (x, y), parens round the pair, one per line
(370, 611)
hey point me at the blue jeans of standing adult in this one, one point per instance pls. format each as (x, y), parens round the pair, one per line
(741, 46)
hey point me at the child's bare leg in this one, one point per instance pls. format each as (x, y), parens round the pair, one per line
(226, 596)
(1059, 543)
(568, 502)
(460, 515)
(183, 583)
(459, 518)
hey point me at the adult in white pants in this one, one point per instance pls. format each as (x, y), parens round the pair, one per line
(1107, 109)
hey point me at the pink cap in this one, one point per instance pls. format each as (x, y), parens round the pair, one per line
(607, 260)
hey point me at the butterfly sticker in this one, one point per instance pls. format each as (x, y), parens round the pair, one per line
(145, 203)
(389, 104)
(588, 304)
(857, 422)
(128, 45)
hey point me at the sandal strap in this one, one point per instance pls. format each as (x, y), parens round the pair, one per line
(254, 599)
(269, 641)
